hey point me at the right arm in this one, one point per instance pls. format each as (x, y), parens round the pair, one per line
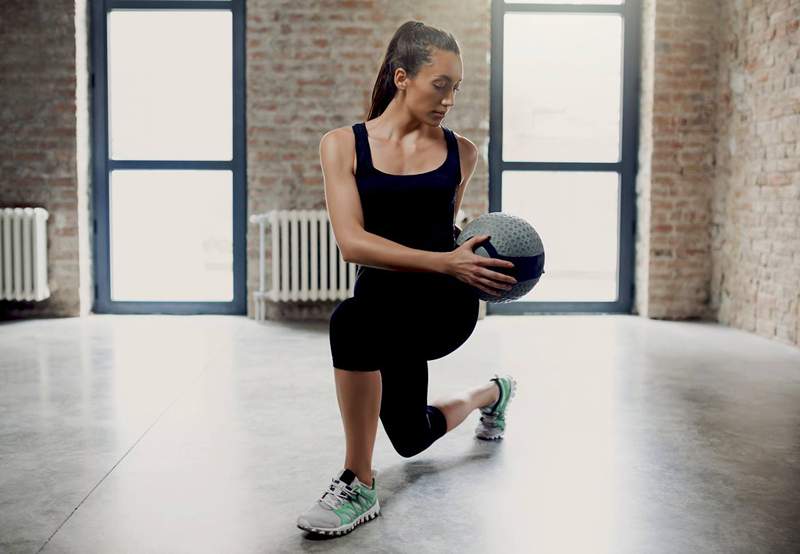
(336, 151)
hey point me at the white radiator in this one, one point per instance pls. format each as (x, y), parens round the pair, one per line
(23, 254)
(306, 262)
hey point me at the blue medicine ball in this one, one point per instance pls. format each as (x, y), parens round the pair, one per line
(512, 239)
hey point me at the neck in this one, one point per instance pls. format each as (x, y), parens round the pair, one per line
(397, 124)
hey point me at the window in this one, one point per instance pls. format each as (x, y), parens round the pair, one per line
(563, 146)
(169, 176)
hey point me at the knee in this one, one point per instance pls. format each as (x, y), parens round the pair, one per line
(405, 443)
(407, 450)
(412, 436)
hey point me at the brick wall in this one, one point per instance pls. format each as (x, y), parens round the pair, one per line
(755, 227)
(38, 139)
(718, 233)
(311, 68)
(718, 185)
(676, 168)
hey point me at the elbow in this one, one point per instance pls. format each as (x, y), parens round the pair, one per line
(347, 254)
(348, 249)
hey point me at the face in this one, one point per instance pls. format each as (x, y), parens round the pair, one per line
(432, 92)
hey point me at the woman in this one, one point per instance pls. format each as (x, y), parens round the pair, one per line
(392, 201)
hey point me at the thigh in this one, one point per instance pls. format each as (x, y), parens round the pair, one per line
(404, 387)
(450, 322)
(409, 316)
(404, 399)
(440, 317)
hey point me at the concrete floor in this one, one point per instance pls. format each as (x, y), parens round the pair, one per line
(171, 434)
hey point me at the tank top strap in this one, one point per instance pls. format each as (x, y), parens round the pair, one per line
(363, 158)
(453, 160)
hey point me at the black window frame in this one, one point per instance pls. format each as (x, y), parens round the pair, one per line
(102, 165)
(626, 167)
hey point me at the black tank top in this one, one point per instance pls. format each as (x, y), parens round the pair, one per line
(413, 210)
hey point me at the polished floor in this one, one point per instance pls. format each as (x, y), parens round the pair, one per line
(209, 434)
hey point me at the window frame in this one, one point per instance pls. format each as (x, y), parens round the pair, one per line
(626, 167)
(102, 166)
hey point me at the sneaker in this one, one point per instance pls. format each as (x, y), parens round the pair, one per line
(492, 425)
(347, 503)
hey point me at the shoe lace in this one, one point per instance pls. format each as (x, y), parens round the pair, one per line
(338, 492)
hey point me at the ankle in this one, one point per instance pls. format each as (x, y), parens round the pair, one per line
(365, 476)
(492, 391)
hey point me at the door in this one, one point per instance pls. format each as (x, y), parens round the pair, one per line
(169, 156)
(562, 154)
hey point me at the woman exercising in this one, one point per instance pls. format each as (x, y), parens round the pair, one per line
(393, 186)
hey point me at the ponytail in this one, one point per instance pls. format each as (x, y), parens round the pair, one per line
(409, 48)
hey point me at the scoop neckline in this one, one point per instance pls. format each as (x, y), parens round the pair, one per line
(372, 163)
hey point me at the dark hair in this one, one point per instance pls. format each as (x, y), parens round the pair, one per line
(409, 48)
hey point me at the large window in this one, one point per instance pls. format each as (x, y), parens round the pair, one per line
(169, 151)
(562, 156)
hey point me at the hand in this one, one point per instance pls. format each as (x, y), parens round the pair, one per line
(467, 266)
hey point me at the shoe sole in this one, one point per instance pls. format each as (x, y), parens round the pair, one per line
(370, 514)
(510, 398)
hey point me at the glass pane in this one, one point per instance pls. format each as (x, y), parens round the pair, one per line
(562, 78)
(170, 85)
(171, 235)
(577, 215)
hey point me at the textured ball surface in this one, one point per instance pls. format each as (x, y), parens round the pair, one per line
(512, 239)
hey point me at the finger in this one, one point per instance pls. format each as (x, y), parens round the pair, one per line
(479, 284)
(494, 262)
(490, 291)
(502, 277)
(494, 287)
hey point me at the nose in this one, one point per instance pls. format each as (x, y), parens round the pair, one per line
(449, 100)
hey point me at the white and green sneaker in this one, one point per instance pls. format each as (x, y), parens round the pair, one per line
(492, 425)
(347, 503)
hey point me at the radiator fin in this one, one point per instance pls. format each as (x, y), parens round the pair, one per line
(23, 254)
(307, 264)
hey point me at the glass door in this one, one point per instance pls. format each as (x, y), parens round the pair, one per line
(169, 151)
(564, 99)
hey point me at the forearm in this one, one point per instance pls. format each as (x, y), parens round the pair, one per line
(371, 250)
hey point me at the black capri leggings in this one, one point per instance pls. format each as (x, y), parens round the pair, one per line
(395, 323)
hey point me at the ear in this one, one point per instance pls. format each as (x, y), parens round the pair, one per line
(400, 78)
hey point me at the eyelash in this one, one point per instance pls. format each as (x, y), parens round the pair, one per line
(455, 89)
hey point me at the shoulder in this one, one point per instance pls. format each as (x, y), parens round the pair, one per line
(338, 142)
(466, 149)
(340, 135)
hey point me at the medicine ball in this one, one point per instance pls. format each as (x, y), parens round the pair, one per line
(512, 239)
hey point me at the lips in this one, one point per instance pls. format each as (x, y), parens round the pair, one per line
(441, 113)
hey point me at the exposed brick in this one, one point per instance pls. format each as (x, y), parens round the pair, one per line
(37, 147)
(719, 175)
(708, 219)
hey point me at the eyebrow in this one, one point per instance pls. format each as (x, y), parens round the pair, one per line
(443, 77)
